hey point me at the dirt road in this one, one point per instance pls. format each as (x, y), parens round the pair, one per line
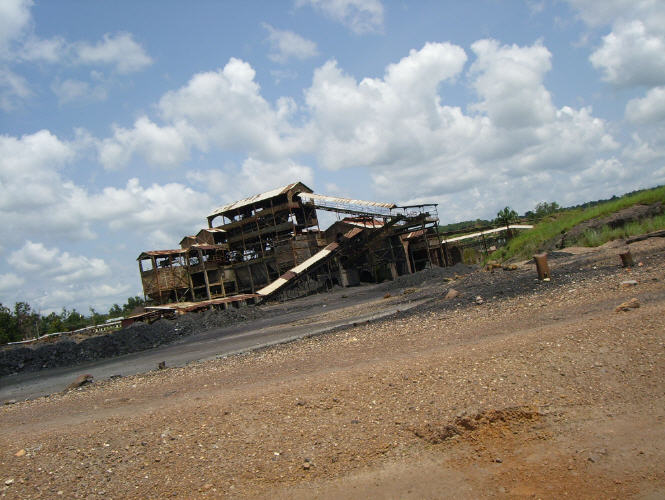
(540, 391)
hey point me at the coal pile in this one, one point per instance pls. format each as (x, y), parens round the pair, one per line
(137, 337)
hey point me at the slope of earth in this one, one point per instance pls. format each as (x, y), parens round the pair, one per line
(540, 391)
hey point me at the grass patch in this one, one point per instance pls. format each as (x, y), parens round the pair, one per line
(595, 238)
(529, 242)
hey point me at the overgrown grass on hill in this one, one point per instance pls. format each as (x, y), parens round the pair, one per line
(594, 238)
(529, 242)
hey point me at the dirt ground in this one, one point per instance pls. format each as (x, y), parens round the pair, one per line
(539, 390)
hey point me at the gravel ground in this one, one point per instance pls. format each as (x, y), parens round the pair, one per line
(539, 390)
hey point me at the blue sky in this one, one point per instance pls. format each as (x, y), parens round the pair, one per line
(122, 124)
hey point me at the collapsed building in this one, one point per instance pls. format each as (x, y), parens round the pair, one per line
(271, 245)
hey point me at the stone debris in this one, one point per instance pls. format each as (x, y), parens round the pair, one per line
(80, 381)
(452, 293)
(633, 303)
(20, 453)
(628, 283)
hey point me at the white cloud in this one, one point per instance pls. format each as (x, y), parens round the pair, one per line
(14, 19)
(71, 90)
(35, 258)
(419, 149)
(649, 109)
(164, 146)
(360, 16)
(509, 80)
(50, 50)
(287, 45)
(602, 12)
(13, 89)
(10, 281)
(34, 196)
(381, 121)
(632, 55)
(222, 108)
(119, 50)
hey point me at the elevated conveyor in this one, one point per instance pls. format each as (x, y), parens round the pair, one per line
(292, 276)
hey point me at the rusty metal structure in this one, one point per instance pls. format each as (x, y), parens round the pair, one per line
(271, 245)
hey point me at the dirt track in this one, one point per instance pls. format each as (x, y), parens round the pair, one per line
(542, 391)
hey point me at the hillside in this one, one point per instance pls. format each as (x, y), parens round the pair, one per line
(591, 225)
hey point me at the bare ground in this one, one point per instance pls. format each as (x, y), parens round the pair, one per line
(541, 391)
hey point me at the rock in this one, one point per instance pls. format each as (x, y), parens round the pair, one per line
(492, 265)
(20, 453)
(161, 365)
(479, 300)
(306, 466)
(81, 381)
(387, 295)
(628, 305)
(628, 283)
(9, 482)
(452, 293)
(10, 402)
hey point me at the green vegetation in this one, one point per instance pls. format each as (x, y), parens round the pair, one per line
(594, 238)
(549, 229)
(23, 322)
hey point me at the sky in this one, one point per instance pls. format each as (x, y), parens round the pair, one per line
(123, 124)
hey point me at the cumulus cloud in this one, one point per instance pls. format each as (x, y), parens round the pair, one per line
(509, 81)
(222, 108)
(360, 16)
(632, 55)
(9, 282)
(379, 121)
(285, 45)
(59, 266)
(119, 50)
(14, 20)
(34, 196)
(649, 109)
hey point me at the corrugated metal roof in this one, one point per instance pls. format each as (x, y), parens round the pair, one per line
(345, 201)
(162, 253)
(257, 198)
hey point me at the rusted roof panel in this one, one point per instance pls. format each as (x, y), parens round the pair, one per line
(345, 201)
(258, 198)
(161, 253)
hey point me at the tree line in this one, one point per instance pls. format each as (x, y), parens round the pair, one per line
(22, 322)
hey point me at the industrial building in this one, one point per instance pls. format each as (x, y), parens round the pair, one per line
(271, 245)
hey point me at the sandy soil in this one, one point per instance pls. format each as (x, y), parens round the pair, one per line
(541, 391)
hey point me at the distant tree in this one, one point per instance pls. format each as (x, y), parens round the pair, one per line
(132, 304)
(97, 318)
(51, 323)
(8, 327)
(73, 320)
(504, 217)
(543, 209)
(115, 311)
(27, 321)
